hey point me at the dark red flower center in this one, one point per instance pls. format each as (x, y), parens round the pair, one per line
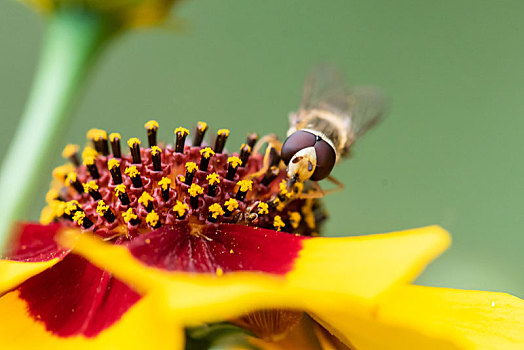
(185, 183)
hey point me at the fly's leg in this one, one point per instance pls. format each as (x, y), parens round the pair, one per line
(315, 192)
(318, 192)
(270, 139)
(339, 185)
(272, 155)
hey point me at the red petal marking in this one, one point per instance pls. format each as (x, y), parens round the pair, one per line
(33, 242)
(76, 298)
(230, 247)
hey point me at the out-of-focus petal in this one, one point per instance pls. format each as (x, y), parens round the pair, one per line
(13, 273)
(19, 330)
(131, 13)
(483, 320)
(324, 271)
(31, 250)
(416, 317)
(365, 266)
(75, 297)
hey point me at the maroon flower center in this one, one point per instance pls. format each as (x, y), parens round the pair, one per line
(187, 183)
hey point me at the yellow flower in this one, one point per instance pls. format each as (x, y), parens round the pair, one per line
(140, 273)
(128, 13)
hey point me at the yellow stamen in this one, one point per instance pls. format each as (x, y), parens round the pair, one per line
(224, 132)
(219, 271)
(89, 160)
(155, 150)
(180, 208)
(96, 134)
(262, 208)
(114, 136)
(234, 161)
(112, 163)
(69, 150)
(152, 124)
(231, 204)
(165, 183)
(91, 133)
(60, 208)
(244, 145)
(89, 152)
(71, 177)
(129, 215)
(120, 189)
(132, 171)
(195, 190)
(202, 125)
(191, 167)
(90, 185)
(133, 141)
(183, 178)
(245, 185)
(71, 206)
(283, 187)
(79, 217)
(60, 172)
(309, 216)
(51, 195)
(182, 131)
(215, 209)
(145, 198)
(213, 179)
(278, 223)
(294, 218)
(102, 208)
(207, 152)
(152, 218)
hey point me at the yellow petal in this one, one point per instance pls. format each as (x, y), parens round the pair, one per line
(18, 330)
(415, 317)
(481, 320)
(366, 266)
(366, 332)
(12, 273)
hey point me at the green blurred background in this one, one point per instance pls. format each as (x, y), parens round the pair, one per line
(449, 152)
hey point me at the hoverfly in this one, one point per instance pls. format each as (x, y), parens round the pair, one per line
(330, 119)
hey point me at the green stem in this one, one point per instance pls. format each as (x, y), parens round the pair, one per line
(72, 41)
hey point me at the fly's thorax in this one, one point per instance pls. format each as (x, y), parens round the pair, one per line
(331, 127)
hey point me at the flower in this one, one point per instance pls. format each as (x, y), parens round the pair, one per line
(128, 13)
(191, 238)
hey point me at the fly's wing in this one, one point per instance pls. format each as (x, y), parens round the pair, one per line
(367, 109)
(325, 88)
(359, 109)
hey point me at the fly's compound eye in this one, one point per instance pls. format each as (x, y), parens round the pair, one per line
(326, 158)
(295, 142)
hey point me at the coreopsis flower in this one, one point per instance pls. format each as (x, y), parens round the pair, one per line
(188, 234)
